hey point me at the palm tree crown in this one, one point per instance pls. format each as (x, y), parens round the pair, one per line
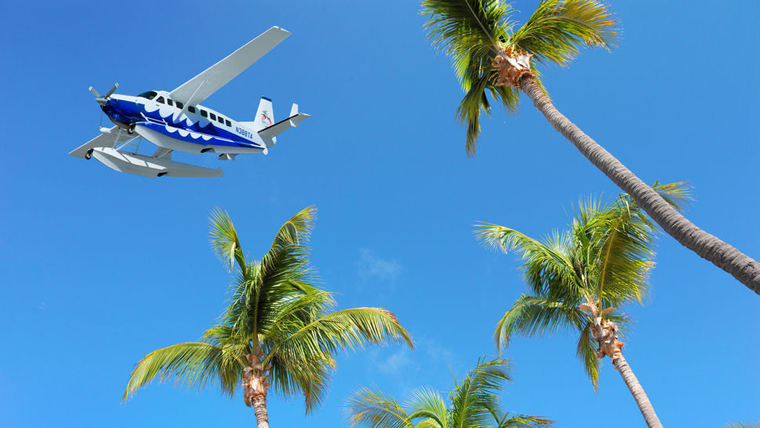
(473, 403)
(489, 56)
(278, 328)
(601, 262)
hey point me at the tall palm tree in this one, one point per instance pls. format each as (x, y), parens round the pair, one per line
(578, 278)
(490, 58)
(474, 403)
(277, 331)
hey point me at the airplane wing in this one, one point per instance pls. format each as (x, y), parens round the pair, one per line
(105, 139)
(213, 78)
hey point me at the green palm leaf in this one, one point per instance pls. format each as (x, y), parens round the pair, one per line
(586, 351)
(377, 410)
(524, 421)
(225, 241)
(531, 315)
(547, 264)
(472, 399)
(429, 408)
(190, 364)
(344, 330)
(558, 28)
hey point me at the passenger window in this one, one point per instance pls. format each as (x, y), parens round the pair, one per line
(170, 102)
(203, 113)
(160, 99)
(227, 121)
(213, 116)
(191, 109)
(220, 120)
(179, 104)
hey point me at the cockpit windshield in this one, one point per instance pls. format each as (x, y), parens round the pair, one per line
(149, 95)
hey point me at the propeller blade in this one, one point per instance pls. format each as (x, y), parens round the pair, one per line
(109, 93)
(94, 92)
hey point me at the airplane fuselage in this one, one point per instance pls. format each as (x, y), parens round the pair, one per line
(172, 125)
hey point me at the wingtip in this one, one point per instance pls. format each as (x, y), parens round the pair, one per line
(275, 27)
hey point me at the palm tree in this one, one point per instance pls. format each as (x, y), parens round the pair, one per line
(490, 58)
(579, 277)
(277, 331)
(474, 403)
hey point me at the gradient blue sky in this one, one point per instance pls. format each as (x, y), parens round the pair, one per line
(99, 268)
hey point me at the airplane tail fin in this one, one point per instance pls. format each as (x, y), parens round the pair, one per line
(264, 115)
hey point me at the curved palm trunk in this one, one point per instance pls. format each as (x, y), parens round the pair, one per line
(636, 390)
(720, 253)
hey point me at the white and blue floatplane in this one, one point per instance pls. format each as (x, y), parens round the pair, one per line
(175, 121)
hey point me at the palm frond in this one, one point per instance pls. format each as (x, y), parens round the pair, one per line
(301, 358)
(347, 329)
(190, 364)
(376, 410)
(472, 399)
(289, 314)
(531, 315)
(428, 405)
(296, 230)
(625, 237)
(305, 371)
(474, 101)
(678, 194)
(525, 421)
(456, 26)
(225, 240)
(558, 28)
(586, 351)
(546, 266)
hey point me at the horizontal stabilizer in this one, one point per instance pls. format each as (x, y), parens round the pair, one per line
(268, 134)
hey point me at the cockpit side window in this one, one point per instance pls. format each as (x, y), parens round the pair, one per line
(170, 102)
(149, 95)
(161, 100)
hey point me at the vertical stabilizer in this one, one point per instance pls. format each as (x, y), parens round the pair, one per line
(264, 115)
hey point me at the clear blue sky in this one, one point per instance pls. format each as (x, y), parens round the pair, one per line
(99, 268)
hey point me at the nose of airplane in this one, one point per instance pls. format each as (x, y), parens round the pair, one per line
(108, 105)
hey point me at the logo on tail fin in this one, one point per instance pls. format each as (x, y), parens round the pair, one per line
(265, 119)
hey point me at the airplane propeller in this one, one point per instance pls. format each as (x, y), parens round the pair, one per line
(102, 100)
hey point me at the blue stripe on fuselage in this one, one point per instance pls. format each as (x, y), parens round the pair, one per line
(196, 137)
(130, 112)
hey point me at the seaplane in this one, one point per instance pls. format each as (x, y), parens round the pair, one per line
(175, 121)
